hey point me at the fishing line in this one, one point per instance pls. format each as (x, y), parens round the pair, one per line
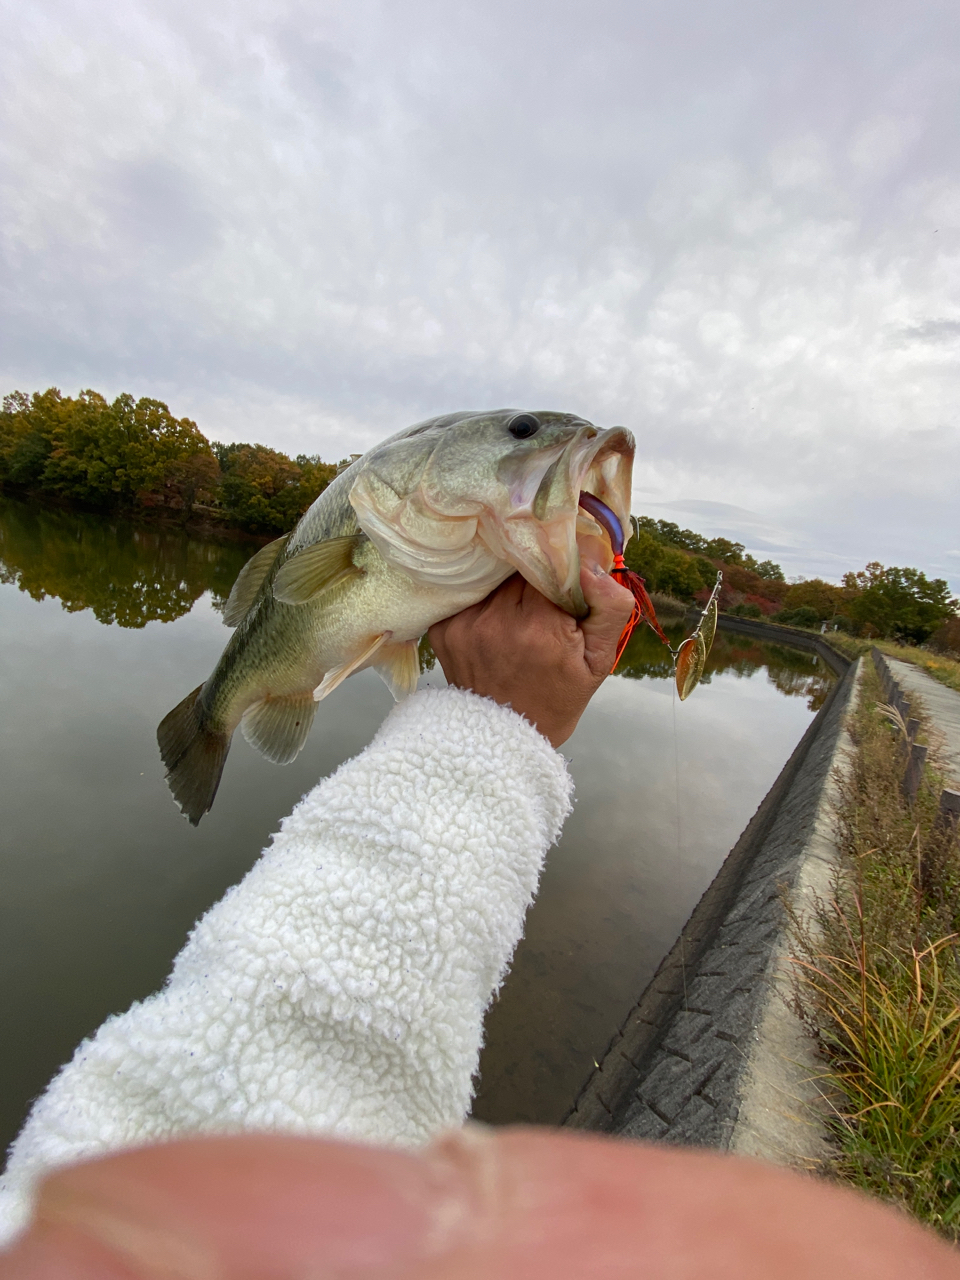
(679, 861)
(689, 658)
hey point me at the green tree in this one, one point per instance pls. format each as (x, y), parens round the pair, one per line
(766, 569)
(725, 550)
(677, 575)
(902, 603)
(26, 426)
(665, 568)
(643, 553)
(803, 615)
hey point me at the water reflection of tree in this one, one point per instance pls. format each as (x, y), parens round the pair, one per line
(794, 672)
(124, 573)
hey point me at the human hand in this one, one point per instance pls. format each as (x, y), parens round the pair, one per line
(508, 1204)
(519, 649)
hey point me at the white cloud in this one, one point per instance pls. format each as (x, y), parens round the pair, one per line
(734, 228)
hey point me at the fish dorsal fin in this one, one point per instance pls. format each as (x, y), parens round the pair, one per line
(278, 727)
(249, 581)
(315, 569)
(337, 675)
(399, 668)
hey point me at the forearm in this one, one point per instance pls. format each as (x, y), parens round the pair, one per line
(341, 986)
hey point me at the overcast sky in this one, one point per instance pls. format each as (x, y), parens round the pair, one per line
(732, 226)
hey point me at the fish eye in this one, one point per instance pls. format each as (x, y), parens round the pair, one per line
(523, 426)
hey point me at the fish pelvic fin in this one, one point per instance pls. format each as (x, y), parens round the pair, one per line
(399, 668)
(249, 581)
(316, 569)
(278, 726)
(194, 757)
(337, 675)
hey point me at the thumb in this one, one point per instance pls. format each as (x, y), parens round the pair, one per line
(610, 608)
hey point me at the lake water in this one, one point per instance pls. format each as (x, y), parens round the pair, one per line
(104, 626)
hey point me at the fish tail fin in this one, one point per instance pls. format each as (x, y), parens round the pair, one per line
(194, 757)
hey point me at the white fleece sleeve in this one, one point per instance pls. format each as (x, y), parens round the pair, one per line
(340, 987)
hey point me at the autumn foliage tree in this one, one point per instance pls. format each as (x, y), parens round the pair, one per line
(824, 598)
(102, 454)
(134, 454)
(265, 491)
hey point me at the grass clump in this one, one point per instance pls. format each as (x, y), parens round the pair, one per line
(879, 980)
(669, 607)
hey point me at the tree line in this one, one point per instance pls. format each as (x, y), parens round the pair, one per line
(135, 455)
(879, 601)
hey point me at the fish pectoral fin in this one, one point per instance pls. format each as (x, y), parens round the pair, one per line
(278, 727)
(337, 675)
(315, 569)
(249, 581)
(399, 668)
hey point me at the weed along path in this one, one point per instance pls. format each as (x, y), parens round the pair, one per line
(941, 704)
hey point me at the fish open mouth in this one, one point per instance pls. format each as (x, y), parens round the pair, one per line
(552, 525)
(603, 494)
(602, 524)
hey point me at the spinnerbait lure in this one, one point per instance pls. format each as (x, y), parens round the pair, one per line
(691, 655)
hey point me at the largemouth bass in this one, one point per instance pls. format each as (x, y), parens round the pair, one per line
(420, 527)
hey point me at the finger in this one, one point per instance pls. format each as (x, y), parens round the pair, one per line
(511, 1204)
(231, 1208)
(610, 609)
(563, 1206)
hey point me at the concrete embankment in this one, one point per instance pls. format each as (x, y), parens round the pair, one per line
(712, 1054)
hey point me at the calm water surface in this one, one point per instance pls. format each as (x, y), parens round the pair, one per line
(104, 626)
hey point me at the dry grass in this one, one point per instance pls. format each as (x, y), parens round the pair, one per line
(879, 981)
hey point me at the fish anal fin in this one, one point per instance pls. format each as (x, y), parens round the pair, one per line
(315, 569)
(278, 726)
(337, 675)
(399, 667)
(194, 756)
(249, 581)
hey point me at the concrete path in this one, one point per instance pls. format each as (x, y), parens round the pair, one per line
(941, 704)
